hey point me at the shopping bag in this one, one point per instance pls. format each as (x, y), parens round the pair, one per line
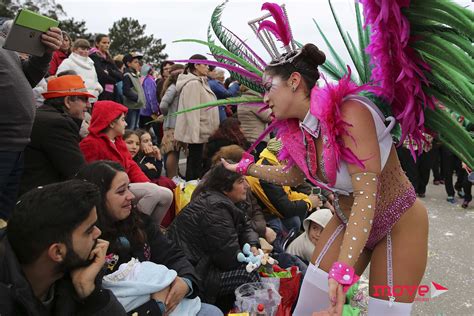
(287, 281)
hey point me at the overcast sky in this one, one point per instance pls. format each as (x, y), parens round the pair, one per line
(179, 19)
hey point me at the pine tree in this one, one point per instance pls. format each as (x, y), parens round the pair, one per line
(128, 35)
(75, 29)
(10, 8)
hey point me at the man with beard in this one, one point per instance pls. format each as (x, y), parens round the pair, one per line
(51, 254)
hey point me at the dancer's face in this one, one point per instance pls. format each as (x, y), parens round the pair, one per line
(278, 96)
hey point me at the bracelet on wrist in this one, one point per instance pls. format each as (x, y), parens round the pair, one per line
(343, 274)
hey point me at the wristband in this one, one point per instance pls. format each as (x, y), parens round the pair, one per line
(244, 163)
(343, 274)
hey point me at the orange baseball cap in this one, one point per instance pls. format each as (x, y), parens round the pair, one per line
(68, 85)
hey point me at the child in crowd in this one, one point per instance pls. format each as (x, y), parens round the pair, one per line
(303, 245)
(133, 93)
(148, 158)
(105, 142)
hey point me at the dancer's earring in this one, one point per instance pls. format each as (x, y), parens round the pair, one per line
(293, 89)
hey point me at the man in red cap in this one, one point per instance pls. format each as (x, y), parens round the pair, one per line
(53, 154)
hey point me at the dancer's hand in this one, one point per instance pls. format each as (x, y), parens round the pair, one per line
(337, 297)
(334, 310)
(229, 166)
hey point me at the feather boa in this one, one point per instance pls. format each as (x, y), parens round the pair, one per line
(325, 106)
(398, 68)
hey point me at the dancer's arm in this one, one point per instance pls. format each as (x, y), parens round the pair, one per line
(273, 174)
(362, 140)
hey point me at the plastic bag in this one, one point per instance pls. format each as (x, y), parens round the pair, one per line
(249, 295)
(183, 192)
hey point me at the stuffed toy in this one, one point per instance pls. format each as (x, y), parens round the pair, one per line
(253, 262)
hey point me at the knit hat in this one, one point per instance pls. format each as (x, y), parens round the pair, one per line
(320, 217)
(68, 85)
(103, 114)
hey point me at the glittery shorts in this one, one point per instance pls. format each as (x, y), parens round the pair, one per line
(386, 218)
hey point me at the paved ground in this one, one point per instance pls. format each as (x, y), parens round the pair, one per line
(450, 256)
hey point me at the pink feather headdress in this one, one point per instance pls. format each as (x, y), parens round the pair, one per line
(398, 69)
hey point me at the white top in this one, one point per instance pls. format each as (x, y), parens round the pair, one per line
(84, 67)
(343, 183)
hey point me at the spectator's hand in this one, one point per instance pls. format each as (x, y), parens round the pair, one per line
(52, 39)
(156, 152)
(270, 235)
(178, 290)
(161, 295)
(83, 278)
(315, 200)
(229, 166)
(148, 150)
(150, 166)
(329, 206)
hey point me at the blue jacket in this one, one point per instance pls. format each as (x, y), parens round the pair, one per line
(222, 93)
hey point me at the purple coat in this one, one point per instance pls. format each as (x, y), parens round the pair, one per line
(149, 86)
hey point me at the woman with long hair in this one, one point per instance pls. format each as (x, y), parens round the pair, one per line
(131, 235)
(107, 72)
(168, 106)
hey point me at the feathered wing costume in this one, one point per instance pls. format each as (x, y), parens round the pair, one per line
(415, 59)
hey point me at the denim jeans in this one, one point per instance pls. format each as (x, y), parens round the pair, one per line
(209, 310)
(285, 225)
(11, 169)
(132, 118)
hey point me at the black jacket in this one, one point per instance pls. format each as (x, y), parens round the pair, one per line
(107, 73)
(17, 78)
(254, 211)
(150, 173)
(212, 230)
(158, 249)
(279, 199)
(17, 298)
(53, 155)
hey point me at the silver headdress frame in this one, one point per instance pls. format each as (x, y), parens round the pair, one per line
(268, 40)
